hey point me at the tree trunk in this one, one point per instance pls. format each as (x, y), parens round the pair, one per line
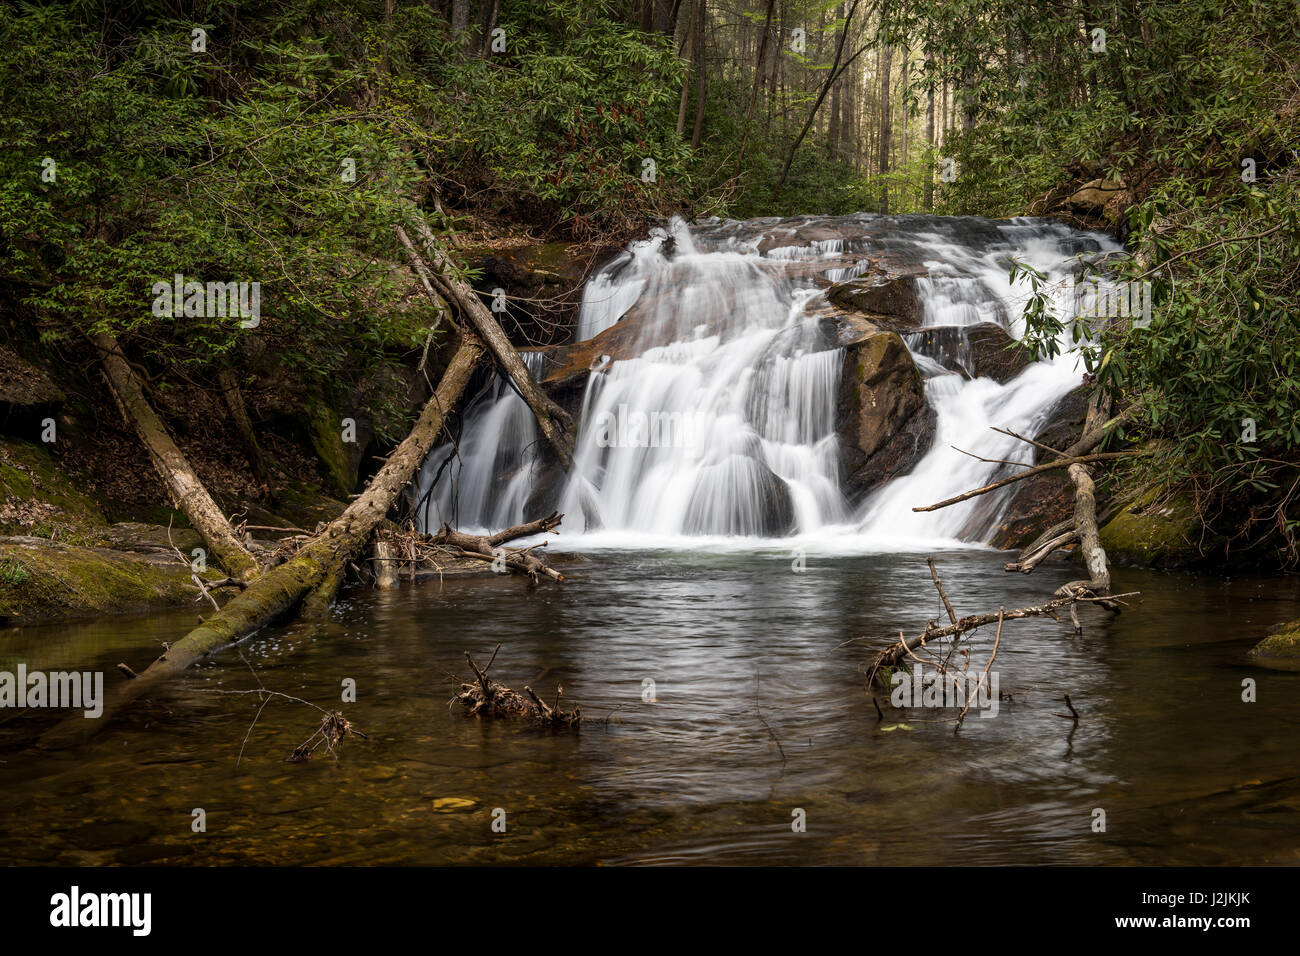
(837, 69)
(928, 198)
(459, 16)
(280, 590)
(1085, 526)
(697, 134)
(234, 400)
(886, 64)
(686, 80)
(184, 486)
(834, 128)
(487, 20)
(903, 79)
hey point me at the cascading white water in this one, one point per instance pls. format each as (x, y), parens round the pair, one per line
(718, 418)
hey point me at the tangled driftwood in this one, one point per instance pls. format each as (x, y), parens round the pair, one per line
(484, 697)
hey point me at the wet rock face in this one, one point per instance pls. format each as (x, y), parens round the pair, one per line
(771, 510)
(985, 350)
(884, 422)
(543, 283)
(1039, 502)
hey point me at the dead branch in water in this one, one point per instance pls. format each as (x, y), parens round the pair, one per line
(901, 648)
(1069, 596)
(1027, 473)
(934, 576)
(489, 547)
(485, 697)
(992, 656)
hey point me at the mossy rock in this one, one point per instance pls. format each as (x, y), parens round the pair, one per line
(1283, 642)
(325, 430)
(140, 536)
(38, 498)
(43, 581)
(1167, 534)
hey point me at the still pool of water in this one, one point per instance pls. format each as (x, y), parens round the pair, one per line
(760, 710)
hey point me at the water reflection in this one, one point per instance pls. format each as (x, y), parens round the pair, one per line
(759, 709)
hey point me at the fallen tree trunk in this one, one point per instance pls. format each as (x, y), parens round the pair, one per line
(315, 571)
(1085, 526)
(184, 486)
(551, 418)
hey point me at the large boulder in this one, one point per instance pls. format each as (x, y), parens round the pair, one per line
(889, 301)
(1155, 532)
(884, 422)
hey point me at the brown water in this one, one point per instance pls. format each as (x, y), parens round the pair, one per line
(1186, 772)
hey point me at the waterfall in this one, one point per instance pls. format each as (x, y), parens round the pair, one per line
(717, 418)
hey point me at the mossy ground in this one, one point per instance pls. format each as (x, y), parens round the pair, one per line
(38, 498)
(61, 558)
(43, 580)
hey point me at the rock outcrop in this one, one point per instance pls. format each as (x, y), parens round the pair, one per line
(889, 301)
(883, 419)
(1155, 533)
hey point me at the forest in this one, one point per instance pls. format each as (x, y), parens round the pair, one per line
(325, 322)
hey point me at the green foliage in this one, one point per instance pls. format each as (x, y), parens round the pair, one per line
(152, 179)
(12, 572)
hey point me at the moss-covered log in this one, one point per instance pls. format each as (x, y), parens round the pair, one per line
(313, 573)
